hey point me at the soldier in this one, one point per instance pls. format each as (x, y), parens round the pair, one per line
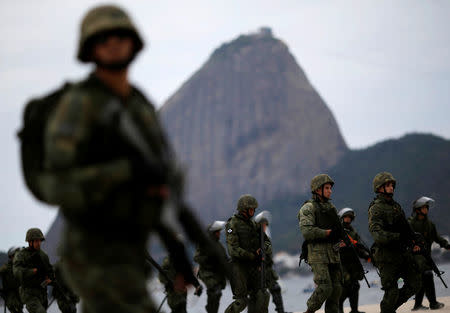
(176, 298)
(213, 278)
(394, 241)
(65, 297)
(243, 243)
(420, 223)
(33, 270)
(108, 166)
(319, 222)
(271, 276)
(11, 284)
(351, 270)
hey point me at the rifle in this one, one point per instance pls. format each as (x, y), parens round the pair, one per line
(436, 269)
(155, 264)
(263, 257)
(163, 158)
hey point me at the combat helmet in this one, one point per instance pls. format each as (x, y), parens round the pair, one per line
(382, 178)
(418, 203)
(102, 19)
(347, 212)
(246, 202)
(34, 234)
(12, 251)
(216, 226)
(320, 180)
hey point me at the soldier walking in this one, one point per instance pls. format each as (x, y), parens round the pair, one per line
(393, 245)
(213, 278)
(33, 270)
(243, 244)
(11, 284)
(420, 223)
(319, 226)
(351, 269)
(108, 166)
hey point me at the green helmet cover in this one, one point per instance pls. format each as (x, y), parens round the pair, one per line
(320, 180)
(246, 202)
(382, 178)
(34, 234)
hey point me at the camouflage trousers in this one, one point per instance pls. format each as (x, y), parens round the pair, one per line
(13, 302)
(35, 299)
(246, 287)
(214, 285)
(176, 301)
(108, 272)
(394, 297)
(328, 278)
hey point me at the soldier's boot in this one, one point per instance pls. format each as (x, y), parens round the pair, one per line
(213, 302)
(353, 298)
(237, 306)
(430, 291)
(418, 300)
(276, 298)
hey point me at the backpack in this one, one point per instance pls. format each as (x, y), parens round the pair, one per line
(31, 136)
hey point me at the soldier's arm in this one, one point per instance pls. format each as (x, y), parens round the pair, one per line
(376, 227)
(68, 129)
(234, 249)
(438, 238)
(307, 221)
(21, 270)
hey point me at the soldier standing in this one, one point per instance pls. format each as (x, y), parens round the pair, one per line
(271, 276)
(319, 225)
(32, 268)
(65, 297)
(394, 241)
(11, 284)
(176, 298)
(243, 244)
(108, 166)
(420, 223)
(214, 279)
(351, 270)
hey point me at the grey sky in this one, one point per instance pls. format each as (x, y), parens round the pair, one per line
(382, 66)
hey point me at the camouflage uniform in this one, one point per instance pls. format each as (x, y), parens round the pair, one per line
(390, 254)
(214, 280)
(314, 218)
(67, 300)
(243, 240)
(428, 230)
(351, 270)
(272, 277)
(175, 299)
(32, 294)
(11, 288)
(109, 193)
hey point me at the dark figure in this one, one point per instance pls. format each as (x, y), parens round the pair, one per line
(65, 297)
(11, 284)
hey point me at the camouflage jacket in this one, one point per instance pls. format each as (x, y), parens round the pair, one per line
(312, 217)
(207, 268)
(428, 231)
(10, 283)
(90, 161)
(384, 216)
(27, 259)
(243, 239)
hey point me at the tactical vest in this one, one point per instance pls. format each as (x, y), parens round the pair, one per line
(326, 216)
(248, 233)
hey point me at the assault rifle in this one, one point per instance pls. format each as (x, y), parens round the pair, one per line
(160, 157)
(436, 269)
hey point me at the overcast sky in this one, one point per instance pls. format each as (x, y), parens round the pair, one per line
(382, 66)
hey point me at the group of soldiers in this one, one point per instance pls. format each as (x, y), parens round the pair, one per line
(27, 274)
(96, 150)
(401, 249)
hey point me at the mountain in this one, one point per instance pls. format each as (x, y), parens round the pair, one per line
(419, 162)
(249, 121)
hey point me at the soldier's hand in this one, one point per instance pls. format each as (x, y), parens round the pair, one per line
(35, 270)
(198, 291)
(328, 232)
(416, 248)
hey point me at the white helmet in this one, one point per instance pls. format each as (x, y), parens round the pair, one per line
(216, 226)
(347, 211)
(423, 201)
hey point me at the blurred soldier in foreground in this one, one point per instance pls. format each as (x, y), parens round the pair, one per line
(67, 300)
(32, 268)
(11, 284)
(271, 277)
(351, 269)
(421, 224)
(319, 226)
(243, 242)
(109, 167)
(394, 245)
(208, 272)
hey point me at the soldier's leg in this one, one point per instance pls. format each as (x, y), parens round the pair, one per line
(13, 303)
(324, 287)
(419, 297)
(389, 275)
(239, 287)
(275, 290)
(66, 306)
(354, 296)
(332, 302)
(345, 290)
(33, 302)
(177, 301)
(412, 281)
(214, 294)
(430, 291)
(259, 301)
